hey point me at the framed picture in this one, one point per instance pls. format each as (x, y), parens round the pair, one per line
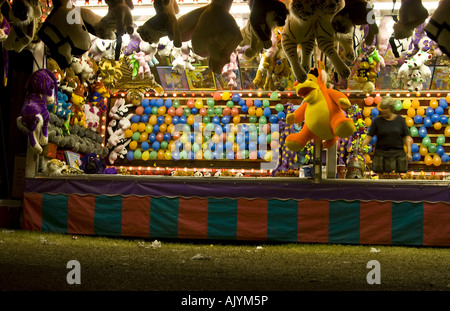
(73, 159)
(201, 78)
(171, 79)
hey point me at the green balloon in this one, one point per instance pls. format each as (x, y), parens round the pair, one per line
(432, 148)
(268, 138)
(136, 136)
(164, 144)
(266, 102)
(210, 111)
(155, 110)
(206, 119)
(183, 155)
(186, 111)
(426, 141)
(230, 104)
(218, 111)
(252, 119)
(274, 96)
(209, 127)
(253, 136)
(262, 120)
(176, 103)
(440, 140)
(186, 128)
(153, 154)
(207, 154)
(195, 147)
(414, 131)
(210, 102)
(137, 154)
(398, 105)
(279, 107)
(245, 154)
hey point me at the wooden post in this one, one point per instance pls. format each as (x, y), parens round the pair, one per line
(317, 162)
(332, 162)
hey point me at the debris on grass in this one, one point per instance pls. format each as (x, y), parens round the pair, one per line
(374, 250)
(45, 242)
(7, 231)
(200, 257)
(155, 244)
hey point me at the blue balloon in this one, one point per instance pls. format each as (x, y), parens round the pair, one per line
(416, 157)
(240, 138)
(445, 158)
(168, 103)
(152, 137)
(176, 155)
(252, 146)
(219, 147)
(159, 102)
(375, 112)
(153, 102)
(243, 146)
(144, 118)
(440, 150)
(435, 118)
(216, 155)
(230, 155)
(145, 145)
(148, 110)
(439, 110)
(130, 155)
(422, 131)
(135, 119)
(236, 97)
(261, 154)
(175, 120)
(192, 137)
(145, 102)
(212, 146)
(443, 103)
(267, 112)
(427, 122)
(226, 119)
(183, 119)
(194, 110)
(156, 128)
(262, 139)
(156, 145)
(443, 119)
(228, 146)
(244, 108)
(429, 111)
(191, 155)
(418, 119)
(273, 119)
(257, 103)
(414, 148)
(178, 145)
(160, 120)
(167, 136)
(218, 129)
(216, 120)
(374, 140)
(281, 115)
(241, 102)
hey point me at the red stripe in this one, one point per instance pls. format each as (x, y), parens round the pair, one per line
(436, 224)
(136, 216)
(252, 219)
(375, 222)
(313, 218)
(193, 218)
(32, 211)
(81, 211)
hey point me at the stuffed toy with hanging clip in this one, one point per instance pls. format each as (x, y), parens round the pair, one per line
(41, 89)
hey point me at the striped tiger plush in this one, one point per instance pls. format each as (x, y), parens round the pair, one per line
(310, 21)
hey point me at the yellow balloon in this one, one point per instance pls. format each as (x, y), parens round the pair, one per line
(190, 119)
(437, 126)
(141, 127)
(259, 112)
(168, 120)
(170, 128)
(275, 135)
(143, 137)
(153, 119)
(187, 146)
(199, 155)
(163, 128)
(184, 138)
(415, 103)
(148, 128)
(215, 139)
(161, 110)
(368, 122)
(406, 104)
(423, 150)
(134, 127)
(268, 156)
(236, 119)
(199, 139)
(437, 160)
(447, 131)
(420, 111)
(434, 103)
(128, 133)
(145, 155)
(133, 145)
(160, 154)
(171, 146)
(251, 110)
(168, 155)
(411, 112)
(199, 104)
(428, 159)
(226, 96)
(367, 111)
(409, 121)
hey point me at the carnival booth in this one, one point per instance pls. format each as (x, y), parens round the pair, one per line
(235, 120)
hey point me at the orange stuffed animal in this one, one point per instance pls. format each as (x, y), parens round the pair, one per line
(321, 111)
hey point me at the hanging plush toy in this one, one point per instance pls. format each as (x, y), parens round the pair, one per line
(307, 23)
(321, 112)
(118, 19)
(438, 28)
(65, 31)
(164, 23)
(412, 13)
(24, 18)
(213, 31)
(264, 17)
(41, 89)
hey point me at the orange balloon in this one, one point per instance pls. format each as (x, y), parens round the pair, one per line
(434, 103)
(409, 121)
(160, 154)
(415, 103)
(153, 119)
(428, 160)
(168, 120)
(367, 111)
(423, 150)
(377, 100)
(368, 101)
(251, 110)
(217, 96)
(368, 122)
(411, 112)
(447, 131)
(163, 128)
(437, 126)
(437, 160)
(191, 103)
(420, 111)
(236, 119)
(162, 110)
(259, 112)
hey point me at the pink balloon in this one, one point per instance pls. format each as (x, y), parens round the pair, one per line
(139, 110)
(160, 137)
(171, 111)
(203, 111)
(179, 111)
(226, 111)
(217, 96)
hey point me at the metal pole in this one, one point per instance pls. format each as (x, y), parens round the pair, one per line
(317, 162)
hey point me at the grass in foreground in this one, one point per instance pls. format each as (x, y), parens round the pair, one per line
(38, 261)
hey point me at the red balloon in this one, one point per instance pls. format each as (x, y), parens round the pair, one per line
(226, 111)
(191, 103)
(203, 111)
(234, 111)
(171, 111)
(179, 111)
(160, 137)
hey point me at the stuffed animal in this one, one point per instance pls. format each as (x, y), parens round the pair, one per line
(307, 23)
(119, 151)
(140, 65)
(65, 31)
(41, 89)
(120, 109)
(355, 13)
(412, 13)
(385, 30)
(213, 31)
(264, 17)
(415, 64)
(118, 19)
(62, 107)
(321, 112)
(228, 71)
(135, 96)
(102, 49)
(53, 66)
(4, 32)
(97, 95)
(437, 27)
(109, 71)
(24, 19)
(164, 23)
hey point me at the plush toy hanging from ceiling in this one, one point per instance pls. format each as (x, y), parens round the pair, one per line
(321, 112)
(65, 31)
(118, 19)
(213, 31)
(4, 32)
(307, 23)
(355, 13)
(164, 23)
(25, 21)
(41, 89)
(438, 27)
(412, 13)
(265, 15)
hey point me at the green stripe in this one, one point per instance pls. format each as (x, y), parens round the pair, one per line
(54, 213)
(222, 219)
(344, 222)
(164, 217)
(108, 215)
(407, 223)
(282, 220)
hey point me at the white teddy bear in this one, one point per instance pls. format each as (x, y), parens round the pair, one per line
(414, 71)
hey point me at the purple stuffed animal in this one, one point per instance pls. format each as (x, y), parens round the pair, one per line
(41, 89)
